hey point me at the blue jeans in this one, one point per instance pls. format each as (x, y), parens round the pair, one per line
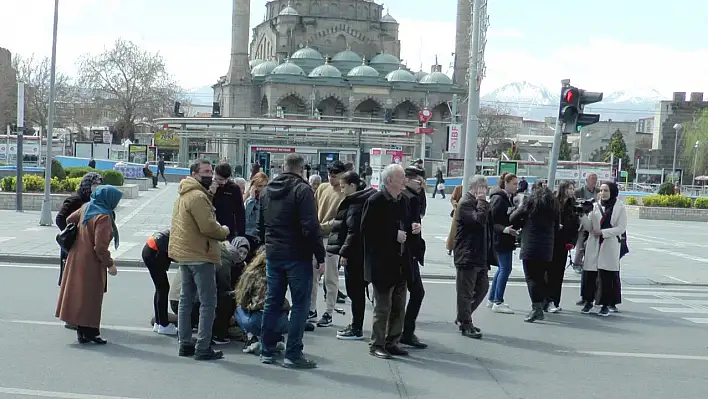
(251, 322)
(198, 285)
(501, 277)
(281, 274)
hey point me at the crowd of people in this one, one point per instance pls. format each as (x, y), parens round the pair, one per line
(243, 248)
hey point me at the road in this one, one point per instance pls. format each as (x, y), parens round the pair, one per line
(662, 252)
(645, 351)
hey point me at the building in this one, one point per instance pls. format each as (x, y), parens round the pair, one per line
(8, 90)
(331, 61)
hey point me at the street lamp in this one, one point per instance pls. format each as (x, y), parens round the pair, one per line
(678, 128)
(695, 161)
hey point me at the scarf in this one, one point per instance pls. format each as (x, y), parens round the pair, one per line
(609, 204)
(89, 180)
(104, 201)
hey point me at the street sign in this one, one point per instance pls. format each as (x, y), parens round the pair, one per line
(424, 130)
(453, 138)
(624, 173)
(424, 115)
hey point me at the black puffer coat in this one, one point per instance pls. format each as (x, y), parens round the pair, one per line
(502, 208)
(538, 234)
(568, 230)
(345, 239)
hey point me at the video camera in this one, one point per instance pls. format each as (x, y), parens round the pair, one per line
(583, 206)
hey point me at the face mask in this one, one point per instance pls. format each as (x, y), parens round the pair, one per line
(206, 181)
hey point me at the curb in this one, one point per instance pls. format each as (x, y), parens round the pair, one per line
(134, 263)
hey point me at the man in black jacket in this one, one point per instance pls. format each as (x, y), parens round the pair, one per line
(228, 202)
(386, 227)
(292, 237)
(473, 254)
(414, 187)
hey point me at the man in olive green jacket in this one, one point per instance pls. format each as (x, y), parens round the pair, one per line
(194, 244)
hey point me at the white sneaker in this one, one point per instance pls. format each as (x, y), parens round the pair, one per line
(554, 309)
(280, 346)
(490, 304)
(155, 327)
(170, 329)
(502, 308)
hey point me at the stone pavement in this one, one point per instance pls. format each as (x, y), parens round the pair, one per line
(640, 352)
(662, 252)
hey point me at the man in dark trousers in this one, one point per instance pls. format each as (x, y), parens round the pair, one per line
(416, 244)
(228, 201)
(386, 227)
(161, 168)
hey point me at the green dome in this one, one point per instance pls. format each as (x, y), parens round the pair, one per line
(400, 75)
(264, 68)
(325, 71)
(255, 63)
(347, 56)
(363, 71)
(385, 58)
(420, 75)
(388, 19)
(307, 53)
(289, 11)
(288, 68)
(436, 78)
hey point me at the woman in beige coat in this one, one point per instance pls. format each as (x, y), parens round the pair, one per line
(84, 280)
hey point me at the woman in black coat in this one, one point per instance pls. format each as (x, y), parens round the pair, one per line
(565, 238)
(345, 240)
(538, 218)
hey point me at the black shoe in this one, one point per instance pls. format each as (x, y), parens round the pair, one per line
(312, 316)
(413, 342)
(396, 350)
(469, 331)
(301, 363)
(69, 326)
(535, 314)
(220, 341)
(613, 309)
(380, 352)
(587, 308)
(208, 354)
(604, 311)
(309, 327)
(581, 302)
(186, 350)
(325, 320)
(350, 333)
(98, 340)
(341, 298)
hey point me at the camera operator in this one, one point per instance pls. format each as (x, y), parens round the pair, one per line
(587, 192)
(565, 237)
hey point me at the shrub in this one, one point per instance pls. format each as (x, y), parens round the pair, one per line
(35, 184)
(666, 188)
(631, 201)
(79, 171)
(667, 201)
(8, 184)
(70, 185)
(112, 177)
(58, 170)
(55, 185)
(701, 203)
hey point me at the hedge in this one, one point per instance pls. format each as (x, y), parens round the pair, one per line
(35, 184)
(631, 201)
(667, 201)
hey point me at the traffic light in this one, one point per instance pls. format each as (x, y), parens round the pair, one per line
(572, 104)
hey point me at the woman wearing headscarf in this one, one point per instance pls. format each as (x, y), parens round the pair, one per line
(607, 224)
(84, 280)
(87, 186)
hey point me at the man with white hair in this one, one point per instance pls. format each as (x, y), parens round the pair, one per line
(474, 253)
(386, 224)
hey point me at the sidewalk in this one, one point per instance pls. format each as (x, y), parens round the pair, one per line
(652, 259)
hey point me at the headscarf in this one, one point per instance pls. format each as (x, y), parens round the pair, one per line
(104, 201)
(89, 180)
(609, 204)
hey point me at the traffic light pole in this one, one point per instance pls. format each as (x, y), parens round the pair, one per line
(472, 130)
(19, 145)
(555, 153)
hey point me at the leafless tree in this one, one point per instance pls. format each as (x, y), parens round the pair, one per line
(494, 125)
(130, 81)
(35, 73)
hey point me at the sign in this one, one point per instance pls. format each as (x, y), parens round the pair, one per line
(508, 167)
(567, 174)
(137, 153)
(602, 174)
(624, 174)
(166, 139)
(107, 137)
(424, 115)
(453, 139)
(29, 147)
(273, 149)
(424, 130)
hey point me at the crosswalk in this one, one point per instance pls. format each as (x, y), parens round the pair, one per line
(690, 304)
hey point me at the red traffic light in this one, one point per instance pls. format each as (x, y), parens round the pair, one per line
(569, 96)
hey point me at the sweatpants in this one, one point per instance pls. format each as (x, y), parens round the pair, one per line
(331, 282)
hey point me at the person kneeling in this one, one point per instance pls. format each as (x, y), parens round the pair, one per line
(250, 301)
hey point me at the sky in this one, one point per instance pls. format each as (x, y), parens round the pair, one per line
(601, 45)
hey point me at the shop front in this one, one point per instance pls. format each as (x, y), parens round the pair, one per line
(271, 158)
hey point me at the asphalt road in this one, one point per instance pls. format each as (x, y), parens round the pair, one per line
(643, 352)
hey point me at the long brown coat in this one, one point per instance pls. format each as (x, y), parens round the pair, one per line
(454, 199)
(84, 280)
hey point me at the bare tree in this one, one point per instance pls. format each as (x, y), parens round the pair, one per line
(131, 82)
(493, 127)
(35, 73)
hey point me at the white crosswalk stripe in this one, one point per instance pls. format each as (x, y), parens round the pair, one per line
(5, 239)
(683, 302)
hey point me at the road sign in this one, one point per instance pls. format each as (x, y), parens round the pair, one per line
(424, 115)
(424, 130)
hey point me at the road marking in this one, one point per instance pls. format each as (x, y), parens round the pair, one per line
(680, 310)
(57, 323)
(639, 355)
(678, 254)
(121, 270)
(54, 394)
(143, 234)
(665, 241)
(122, 248)
(4, 239)
(36, 228)
(148, 201)
(441, 238)
(669, 301)
(700, 294)
(677, 279)
(697, 320)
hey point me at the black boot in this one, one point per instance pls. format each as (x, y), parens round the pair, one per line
(469, 331)
(536, 313)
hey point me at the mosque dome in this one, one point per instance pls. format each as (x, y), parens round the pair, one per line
(436, 78)
(363, 71)
(288, 68)
(264, 68)
(307, 53)
(347, 56)
(400, 75)
(325, 71)
(385, 58)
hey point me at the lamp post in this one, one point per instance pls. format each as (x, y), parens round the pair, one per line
(695, 161)
(45, 218)
(678, 128)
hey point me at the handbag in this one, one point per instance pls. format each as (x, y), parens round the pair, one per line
(67, 237)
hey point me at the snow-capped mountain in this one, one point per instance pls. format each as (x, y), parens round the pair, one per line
(537, 102)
